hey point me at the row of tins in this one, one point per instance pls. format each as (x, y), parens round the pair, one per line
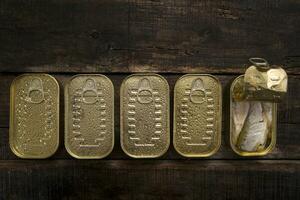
(89, 116)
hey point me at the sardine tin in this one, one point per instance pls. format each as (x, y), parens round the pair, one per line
(197, 115)
(144, 102)
(89, 116)
(236, 91)
(34, 116)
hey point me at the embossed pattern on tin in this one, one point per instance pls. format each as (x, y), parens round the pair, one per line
(34, 116)
(197, 115)
(89, 116)
(252, 123)
(145, 116)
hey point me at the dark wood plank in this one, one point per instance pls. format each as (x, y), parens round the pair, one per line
(119, 37)
(150, 180)
(145, 35)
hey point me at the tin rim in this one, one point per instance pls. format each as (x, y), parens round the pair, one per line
(12, 114)
(273, 134)
(219, 138)
(66, 89)
(121, 118)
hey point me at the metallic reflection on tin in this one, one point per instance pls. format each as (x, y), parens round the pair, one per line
(252, 123)
(34, 116)
(144, 113)
(264, 82)
(197, 115)
(89, 116)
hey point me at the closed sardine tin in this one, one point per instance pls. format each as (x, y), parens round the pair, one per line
(89, 116)
(34, 116)
(197, 115)
(144, 100)
(252, 123)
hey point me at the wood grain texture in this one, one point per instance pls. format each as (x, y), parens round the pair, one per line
(182, 180)
(145, 35)
(120, 37)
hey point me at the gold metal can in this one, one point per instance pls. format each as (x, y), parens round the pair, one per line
(252, 123)
(144, 114)
(89, 116)
(34, 116)
(197, 115)
(265, 82)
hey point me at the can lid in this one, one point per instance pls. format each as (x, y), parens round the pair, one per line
(260, 63)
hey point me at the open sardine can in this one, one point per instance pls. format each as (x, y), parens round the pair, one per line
(253, 108)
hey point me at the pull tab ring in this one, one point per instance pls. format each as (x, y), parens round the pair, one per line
(197, 94)
(36, 85)
(260, 63)
(145, 94)
(90, 87)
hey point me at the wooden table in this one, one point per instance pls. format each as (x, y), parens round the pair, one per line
(120, 37)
